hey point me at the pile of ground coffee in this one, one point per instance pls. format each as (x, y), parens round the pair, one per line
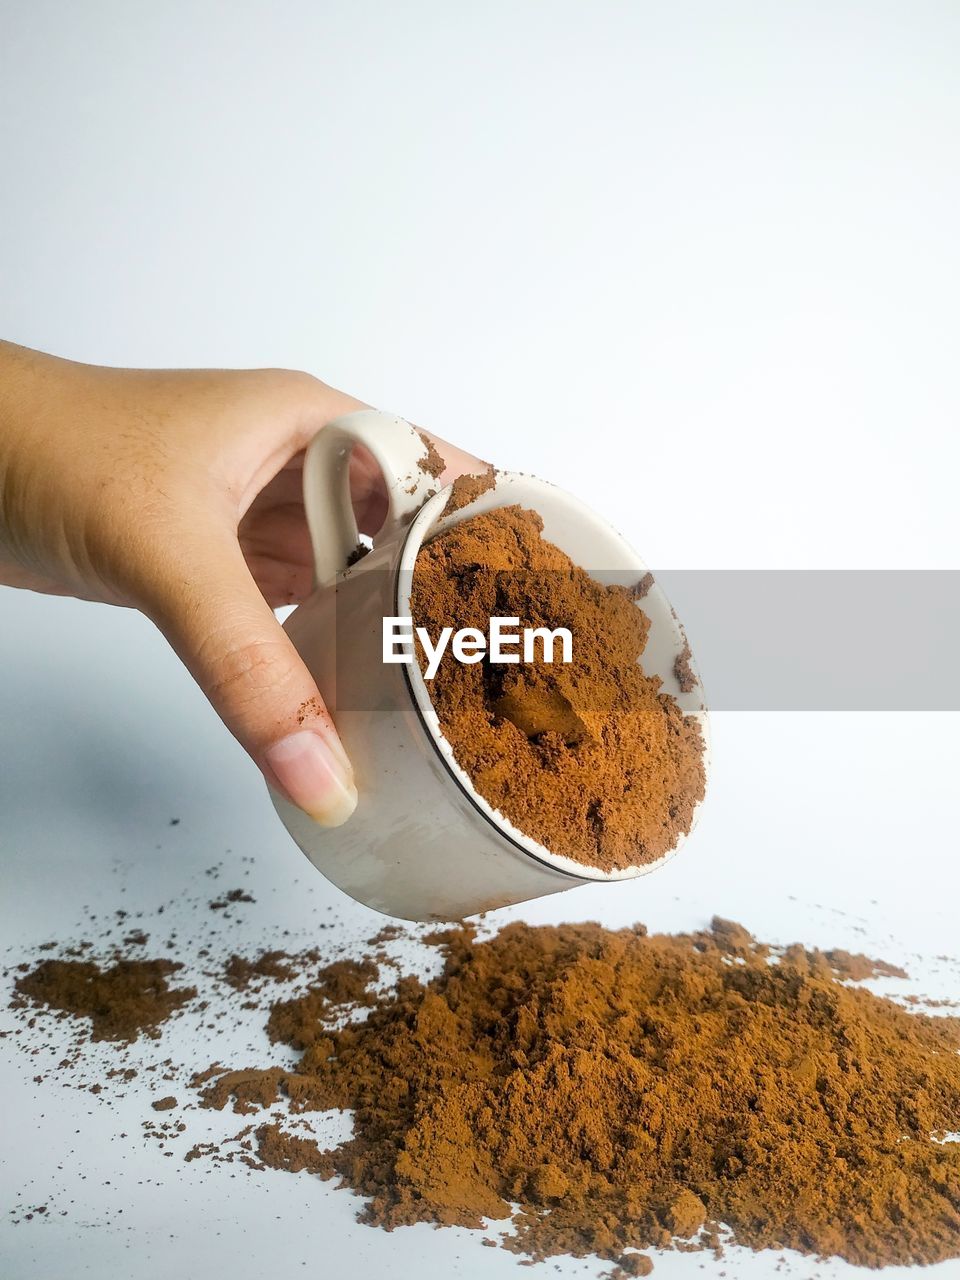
(610, 1090)
(606, 1091)
(591, 758)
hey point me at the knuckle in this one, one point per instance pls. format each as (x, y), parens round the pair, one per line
(242, 674)
(294, 383)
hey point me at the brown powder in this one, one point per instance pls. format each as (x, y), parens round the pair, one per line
(240, 973)
(357, 554)
(432, 461)
(622, 1092)
(122, 1000)
(634, 1264)
(857, 967)
(625, 1091)
(590, 758)
(467, 488)
(683, 669)
(230, 899)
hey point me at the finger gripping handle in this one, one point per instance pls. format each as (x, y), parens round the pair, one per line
(399, 450)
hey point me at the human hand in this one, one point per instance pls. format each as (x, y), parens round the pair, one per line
(179, 493)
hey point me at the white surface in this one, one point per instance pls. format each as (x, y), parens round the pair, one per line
(713, 247)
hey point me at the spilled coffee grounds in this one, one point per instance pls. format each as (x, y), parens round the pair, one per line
(592, 758)
(122, 1000)
(604, 1090)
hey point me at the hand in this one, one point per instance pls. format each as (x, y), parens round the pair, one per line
(178, 493)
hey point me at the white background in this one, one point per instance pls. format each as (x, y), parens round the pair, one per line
(697, 263)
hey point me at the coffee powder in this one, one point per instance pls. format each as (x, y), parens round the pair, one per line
(605, 1090)
(122, 1000)
(609, 1090)
(591, 758)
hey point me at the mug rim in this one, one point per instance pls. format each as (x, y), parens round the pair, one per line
(413, 540)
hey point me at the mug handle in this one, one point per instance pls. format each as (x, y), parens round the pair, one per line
(398, 449)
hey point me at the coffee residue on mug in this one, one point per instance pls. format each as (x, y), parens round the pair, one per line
(432, 461)
(357, 554)
(467, 488)
(683, 670)
(591, 758)
(642, 587)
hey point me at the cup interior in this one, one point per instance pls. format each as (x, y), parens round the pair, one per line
(592, 544)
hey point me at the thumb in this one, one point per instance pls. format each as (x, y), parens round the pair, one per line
(231, 642)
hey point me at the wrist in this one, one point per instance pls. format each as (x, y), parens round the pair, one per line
(37, 398)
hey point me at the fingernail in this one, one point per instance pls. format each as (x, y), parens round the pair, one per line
(330, 739)
(317, 778)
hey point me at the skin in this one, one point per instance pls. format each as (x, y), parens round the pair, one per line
(179, 493)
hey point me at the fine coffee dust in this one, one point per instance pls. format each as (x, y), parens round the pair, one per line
(230, 899)
(605, 1090)
(592, 758)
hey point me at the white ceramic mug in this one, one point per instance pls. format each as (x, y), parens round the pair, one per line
(422, 843)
